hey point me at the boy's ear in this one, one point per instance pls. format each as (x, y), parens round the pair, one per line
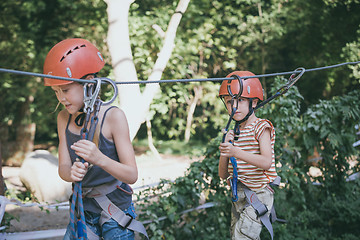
(255, 102)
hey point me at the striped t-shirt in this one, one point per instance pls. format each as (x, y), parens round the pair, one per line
(251, 176)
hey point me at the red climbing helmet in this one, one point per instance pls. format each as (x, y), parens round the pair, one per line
(247, 88)
(73, 58)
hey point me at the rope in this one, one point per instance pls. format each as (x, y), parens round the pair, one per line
(177, 80)
(80, 223)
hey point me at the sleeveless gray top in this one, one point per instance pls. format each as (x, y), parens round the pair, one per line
(96, 176)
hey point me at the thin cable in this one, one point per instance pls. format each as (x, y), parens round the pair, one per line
(44, 75)
(176, 80)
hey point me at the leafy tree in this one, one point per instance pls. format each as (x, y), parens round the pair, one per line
(315, 35)
(212, 39)
(23, 46)
(261, 37)
(213, 44)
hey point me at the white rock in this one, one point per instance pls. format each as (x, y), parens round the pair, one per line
(39, 174)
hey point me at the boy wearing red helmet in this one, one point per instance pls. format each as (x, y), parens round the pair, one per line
(252, 148)
(113, 160)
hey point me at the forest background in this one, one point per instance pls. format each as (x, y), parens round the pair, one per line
(318, 119)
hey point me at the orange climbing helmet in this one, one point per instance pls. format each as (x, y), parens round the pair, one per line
(73, 58)
(239, 87)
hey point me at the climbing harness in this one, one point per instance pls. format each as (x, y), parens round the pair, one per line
(251, 198)
(92, 104)
(110, 210)
(261, 209)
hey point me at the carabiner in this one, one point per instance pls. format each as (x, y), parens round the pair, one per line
(294, 78)
(91, 95)
(240, 80)
(113, 84)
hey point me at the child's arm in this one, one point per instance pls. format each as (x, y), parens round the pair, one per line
(262, 160)
(126, 169)
(67, 171)
(223, 167)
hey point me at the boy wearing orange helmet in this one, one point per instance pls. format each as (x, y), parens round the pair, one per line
(250, 149)
(113, 164)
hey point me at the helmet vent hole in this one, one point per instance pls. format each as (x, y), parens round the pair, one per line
(71, 51)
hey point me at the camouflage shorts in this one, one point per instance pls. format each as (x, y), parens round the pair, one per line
(244, 221)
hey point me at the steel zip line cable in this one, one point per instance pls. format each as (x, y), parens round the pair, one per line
(176, 80)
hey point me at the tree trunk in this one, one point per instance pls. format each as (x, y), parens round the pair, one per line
(16, 149)
(150, 140)
(192, 107)
(134, 103)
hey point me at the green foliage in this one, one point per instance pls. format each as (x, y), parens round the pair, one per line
(217, 37)
(171, 110)
(28, 30)
(318, 41)
(335, 216)
(331, 129)
(6, 221)
(326, 210)
(200, 184)
(213, 39)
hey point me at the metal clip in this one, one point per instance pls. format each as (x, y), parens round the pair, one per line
(294, 78)
(113, 84)
(91, 95)
(240, 80)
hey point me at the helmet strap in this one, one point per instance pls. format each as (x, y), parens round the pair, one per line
(251, 111)
(79, 120)
(237, 130)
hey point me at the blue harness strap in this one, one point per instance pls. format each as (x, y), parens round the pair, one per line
(234, 180)
(74, 217)
(77, 215)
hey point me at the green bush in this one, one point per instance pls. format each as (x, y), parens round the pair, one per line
(329, 209)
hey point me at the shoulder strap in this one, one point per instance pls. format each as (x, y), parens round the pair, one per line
(102, 122)
(67, 125)
(98, 128)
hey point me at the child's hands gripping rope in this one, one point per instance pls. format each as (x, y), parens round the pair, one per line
(88, 151)
(226, 148)
(78, 170)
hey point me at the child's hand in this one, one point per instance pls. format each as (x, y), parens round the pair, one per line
(78, 171)
(87, 150)
(229, 136)
(226, 149)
